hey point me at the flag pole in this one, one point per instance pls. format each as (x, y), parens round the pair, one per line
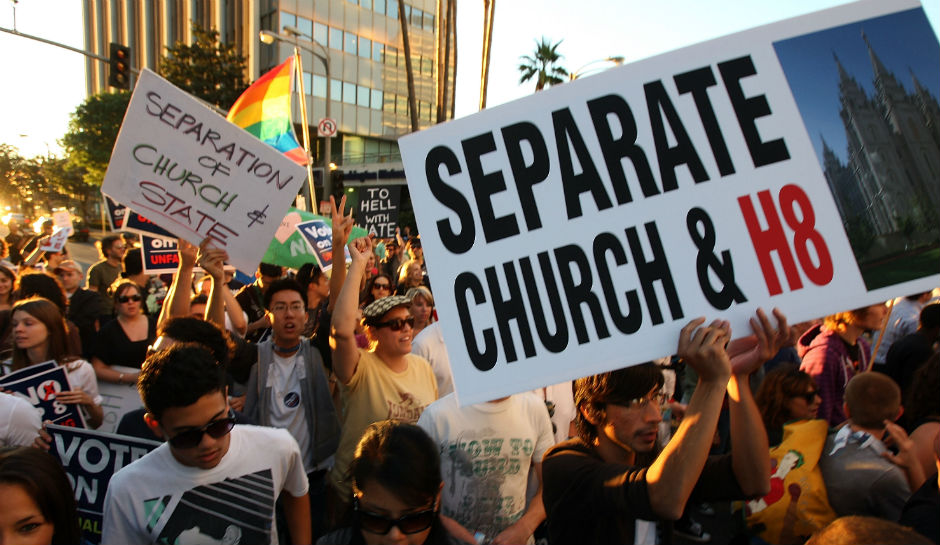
(306, 128)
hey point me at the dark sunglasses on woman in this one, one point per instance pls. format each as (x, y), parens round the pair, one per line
(216, 430)
(808, 396)
(412, 523)
(128, 298)
(397, 323)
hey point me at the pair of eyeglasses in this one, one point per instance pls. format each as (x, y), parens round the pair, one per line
(412, 523)
(129, 298)
(657, 398)
(216, 430)
(810, 397)
(293, 307)
(385, 287)
(397, 323)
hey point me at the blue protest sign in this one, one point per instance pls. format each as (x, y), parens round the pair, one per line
(116, 212)
(39, 387)
(139, 224)
(90, 458)
(159, 254)
(319, 237)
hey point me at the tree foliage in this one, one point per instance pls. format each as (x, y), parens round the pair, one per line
(93, 129)
(207, 69)
(542, 65)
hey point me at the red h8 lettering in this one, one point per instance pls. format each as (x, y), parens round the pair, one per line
(792, 199)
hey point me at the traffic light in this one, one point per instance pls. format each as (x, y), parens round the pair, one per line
(119, 73)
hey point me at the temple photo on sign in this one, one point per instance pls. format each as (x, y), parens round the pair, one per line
(867, 93)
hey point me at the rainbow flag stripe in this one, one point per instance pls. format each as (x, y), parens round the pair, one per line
(264, 111)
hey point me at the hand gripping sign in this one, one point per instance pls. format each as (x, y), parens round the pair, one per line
(578, 230)
(196, 175)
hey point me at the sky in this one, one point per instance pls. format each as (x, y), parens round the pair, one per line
(44, 84)
(902, 43)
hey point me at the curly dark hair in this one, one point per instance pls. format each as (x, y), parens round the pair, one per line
(41, 476)
(776, 389)
(43, 285)
(193, 330)
(402, 458)
(592, 394)
(178, 376)
(922, 399)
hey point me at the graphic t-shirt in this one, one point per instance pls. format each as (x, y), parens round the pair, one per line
(376, 393)
(486, 452)
(158, 500)
(287, 411)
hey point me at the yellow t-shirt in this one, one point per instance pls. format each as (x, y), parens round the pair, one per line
(376, 393)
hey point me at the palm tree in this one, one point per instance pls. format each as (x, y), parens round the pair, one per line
(542, 64)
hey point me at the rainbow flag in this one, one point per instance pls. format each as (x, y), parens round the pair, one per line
(264, 111)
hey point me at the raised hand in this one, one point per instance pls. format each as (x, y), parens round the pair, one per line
(749, 353)
(187, 253)
(703, 348)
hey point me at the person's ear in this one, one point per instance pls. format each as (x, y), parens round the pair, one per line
(900, 412)
(593, 413)
(846, 411)
(154, 425)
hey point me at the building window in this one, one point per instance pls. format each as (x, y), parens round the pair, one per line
(427, 67)
(391, 56)
(349, 43)
(336, 90)
(366, 4)
(378, 51)
(336, 38)
(308, 83)
(388, 105)
(353, 2)
(428, 21)
(378, 6)
(392, 10)
(416, 18)
(362, 96)
(349, 93)
(377, 102)
(319, 86)
(401, 104)
(365, 47)
(321, 34)
(287, 19)
(305, 26)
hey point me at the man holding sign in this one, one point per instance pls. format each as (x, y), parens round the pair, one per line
(600, 478)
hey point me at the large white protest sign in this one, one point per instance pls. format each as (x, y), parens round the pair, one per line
(578, 230)
(193, 173)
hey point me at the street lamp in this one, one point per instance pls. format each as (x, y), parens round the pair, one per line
(617, 60)
(295, 33)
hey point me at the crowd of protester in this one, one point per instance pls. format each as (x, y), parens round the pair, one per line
(331, 393)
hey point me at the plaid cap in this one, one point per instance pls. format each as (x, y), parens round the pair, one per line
(376, 309)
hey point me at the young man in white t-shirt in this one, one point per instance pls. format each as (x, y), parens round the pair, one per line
(289, 388)
(211, 480)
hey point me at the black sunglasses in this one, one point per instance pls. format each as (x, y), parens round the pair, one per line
(411, 523)
(397, 323)
(216, 430)
(810, 397)
(129, 298)
(382, 286)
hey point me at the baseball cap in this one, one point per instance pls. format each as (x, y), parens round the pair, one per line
(70, 265)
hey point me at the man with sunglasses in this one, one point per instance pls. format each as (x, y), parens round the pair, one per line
(211, 478)
(383, 382)
(289, 388)
(612, 485)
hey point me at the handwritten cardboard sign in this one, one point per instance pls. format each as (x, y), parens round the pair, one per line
(578, 230)
(196, 175)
